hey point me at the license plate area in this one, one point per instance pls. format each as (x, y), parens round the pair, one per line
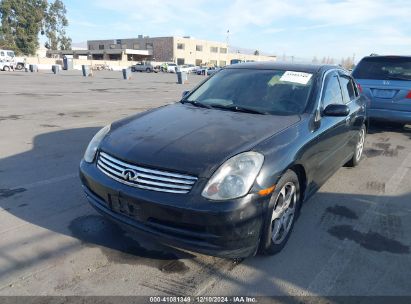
(382, 93)
(122, 205)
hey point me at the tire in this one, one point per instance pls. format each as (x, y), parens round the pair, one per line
(148, 70)
(6, 68)
(281, 214)
(133, 69)
(19, 66)
(359, 148)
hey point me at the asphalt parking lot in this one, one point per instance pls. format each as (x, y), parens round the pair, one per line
(352, 238)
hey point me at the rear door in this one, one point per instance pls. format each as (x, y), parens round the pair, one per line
(386, 80)
(356, 118)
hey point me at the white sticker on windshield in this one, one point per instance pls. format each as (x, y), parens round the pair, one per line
(297, 77)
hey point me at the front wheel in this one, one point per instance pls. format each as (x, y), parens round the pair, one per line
(6, 68)
(281, 215)
(359, 148)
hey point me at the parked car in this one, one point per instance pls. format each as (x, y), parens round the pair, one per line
(171, 67)
(207, 70)
(225, 170)
(211, 71)
(184, 68)
(386, 80)
(192, 67)
(144, 67)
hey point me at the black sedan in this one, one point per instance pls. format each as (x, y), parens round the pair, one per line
(225, 170)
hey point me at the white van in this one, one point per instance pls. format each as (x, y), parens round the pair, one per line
(10, 57)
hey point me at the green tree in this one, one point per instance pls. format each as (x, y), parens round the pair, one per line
(55, 23)
(21, 21)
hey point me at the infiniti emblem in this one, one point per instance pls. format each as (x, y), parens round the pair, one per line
(130, 175)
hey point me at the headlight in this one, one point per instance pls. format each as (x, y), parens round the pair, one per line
(94, 143)
(235, 177)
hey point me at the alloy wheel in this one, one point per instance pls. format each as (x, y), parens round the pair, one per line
(283, 213)
(360, 144)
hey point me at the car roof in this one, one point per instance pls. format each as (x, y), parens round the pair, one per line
(269, 65)
(387, 56)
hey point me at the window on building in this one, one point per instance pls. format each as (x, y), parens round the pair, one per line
(214, 49)
(91, 47)
(223, 50)
(180, 46)
(180, 61)
(223, 63)
(118, 41)
(149, 46)
(101, 46)
(199, 62)
(199, 48)
(136, 46)
(213, 62)
(124, 46)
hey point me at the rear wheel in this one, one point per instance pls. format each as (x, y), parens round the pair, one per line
(148, 70)
(6, 68)
(19, 66)
(283, 211)
(359, 148)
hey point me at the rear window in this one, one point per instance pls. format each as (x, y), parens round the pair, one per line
(395, 68)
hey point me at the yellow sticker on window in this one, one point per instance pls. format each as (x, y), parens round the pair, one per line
(274, 80)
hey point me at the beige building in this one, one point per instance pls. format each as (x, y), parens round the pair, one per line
(181, 50)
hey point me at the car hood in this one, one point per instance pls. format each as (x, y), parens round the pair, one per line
(188, 139)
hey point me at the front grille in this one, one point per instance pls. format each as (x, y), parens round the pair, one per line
(144, 178)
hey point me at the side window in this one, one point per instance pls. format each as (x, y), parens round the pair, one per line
(331, 91)
(355, 85)
(347, 88)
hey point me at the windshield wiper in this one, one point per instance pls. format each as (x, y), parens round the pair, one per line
(197, 103)
(238, 109)
(398, 78)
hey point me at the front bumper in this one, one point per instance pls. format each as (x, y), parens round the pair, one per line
(390, 115)
(227, 229)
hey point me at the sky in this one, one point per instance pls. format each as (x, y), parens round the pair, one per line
(298, 28)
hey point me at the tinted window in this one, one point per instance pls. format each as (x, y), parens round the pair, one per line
(347, 88)
(262, 90)
(332, 91)
(383, 68)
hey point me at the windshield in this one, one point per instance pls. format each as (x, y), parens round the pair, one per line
(384, 68)
(266, 91)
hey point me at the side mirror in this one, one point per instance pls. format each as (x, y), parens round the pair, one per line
(185, 93)
(336, 110)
